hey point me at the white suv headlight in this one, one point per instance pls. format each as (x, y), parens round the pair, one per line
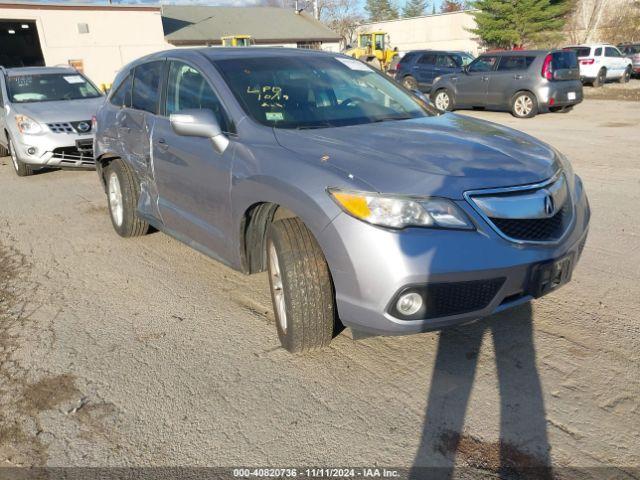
(400, 212)
(27, 125)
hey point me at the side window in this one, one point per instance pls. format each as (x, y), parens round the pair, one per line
(188, 89)
(483, 64)
(598, 52)
(510, 63)
(445, 61)
(612, 52)
(146, 83)
(121, 96)
(428, 59)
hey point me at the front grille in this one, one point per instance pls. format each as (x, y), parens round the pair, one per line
(451, 298)
(73, 156)
(530, 213)
(535, 229)
(80, 127)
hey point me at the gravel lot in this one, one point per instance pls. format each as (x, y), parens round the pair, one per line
(143, 352)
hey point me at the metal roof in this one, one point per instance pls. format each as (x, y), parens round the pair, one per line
(193, 25)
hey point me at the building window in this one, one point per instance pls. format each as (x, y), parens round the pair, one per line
(310, 45)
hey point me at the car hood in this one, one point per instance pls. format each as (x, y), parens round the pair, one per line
(443, 155)
(62, 111)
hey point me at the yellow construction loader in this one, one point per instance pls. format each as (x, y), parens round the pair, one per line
(374, 49)
(237, 41)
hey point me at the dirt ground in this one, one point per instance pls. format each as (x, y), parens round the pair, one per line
(142, 352)
(615, 91)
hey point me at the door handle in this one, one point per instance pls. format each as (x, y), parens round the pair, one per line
(485, 79)
(162, 143)
(518, 77)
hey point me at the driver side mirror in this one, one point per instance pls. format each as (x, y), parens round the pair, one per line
(199, 123)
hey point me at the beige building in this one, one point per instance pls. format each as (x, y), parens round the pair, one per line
(447, 31)
(100, 39)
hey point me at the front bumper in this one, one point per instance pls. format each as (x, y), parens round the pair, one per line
(55, 150)
(370, 265)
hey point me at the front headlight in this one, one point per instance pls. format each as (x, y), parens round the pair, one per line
(400, 212)
(27, 125)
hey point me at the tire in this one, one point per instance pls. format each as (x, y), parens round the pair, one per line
(561, 109)
(524, 105)
(600, 79)
(626, 76)
(301, 287)
(123, 191)
(22, 169)
(443, 100)
(4, 152)
(410, 83)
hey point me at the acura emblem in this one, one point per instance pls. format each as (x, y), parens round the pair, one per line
(84, 127)
(549, 205)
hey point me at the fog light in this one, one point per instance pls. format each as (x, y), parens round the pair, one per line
(409, 304)
(31, 150)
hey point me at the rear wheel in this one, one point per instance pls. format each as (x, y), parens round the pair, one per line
(524, 105)
(410, 83)
(123, 191)
(600, 79)
(443, 100)
(626, 76)
(4, 152)
(301, 287)
(22, 169)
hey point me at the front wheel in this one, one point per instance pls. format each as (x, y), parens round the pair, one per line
(22, 169)
(301, 287)
(524, 105)
(123, 192)
(626, 76)
(410, 83)
(443, 100)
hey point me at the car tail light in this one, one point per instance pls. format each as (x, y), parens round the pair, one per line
(587, 61)
(547, 69)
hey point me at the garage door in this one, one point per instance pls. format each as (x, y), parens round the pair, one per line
(19, 44)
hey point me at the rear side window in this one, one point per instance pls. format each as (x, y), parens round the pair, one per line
(598, 52)
(121, 96)
(564, 60)
(446, 61)
(146, 85)
(408, 58)
(428, 59)
(516, 62)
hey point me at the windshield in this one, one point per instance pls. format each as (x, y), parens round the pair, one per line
(317, 92)
(50, 87)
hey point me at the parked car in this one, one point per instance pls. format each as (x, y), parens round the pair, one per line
(366, 205)
(602, 62)
(46, 119)
(632, 51)
(418, 68)
(524, 82)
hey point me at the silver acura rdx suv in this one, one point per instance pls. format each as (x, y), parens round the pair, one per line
(366, 206)
(46, 118)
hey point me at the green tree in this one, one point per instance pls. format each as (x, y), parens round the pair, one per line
(414, 8)
(508, 23)
(379, 10)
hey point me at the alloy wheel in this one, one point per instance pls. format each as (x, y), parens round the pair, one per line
(442, 101)
(523, 105)
(277, 288)
(115, 199)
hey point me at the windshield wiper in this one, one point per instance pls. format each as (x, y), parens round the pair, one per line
(387, 119)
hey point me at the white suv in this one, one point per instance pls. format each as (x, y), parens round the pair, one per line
(599, 63)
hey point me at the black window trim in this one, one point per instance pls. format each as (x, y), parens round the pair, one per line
(165, 86)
